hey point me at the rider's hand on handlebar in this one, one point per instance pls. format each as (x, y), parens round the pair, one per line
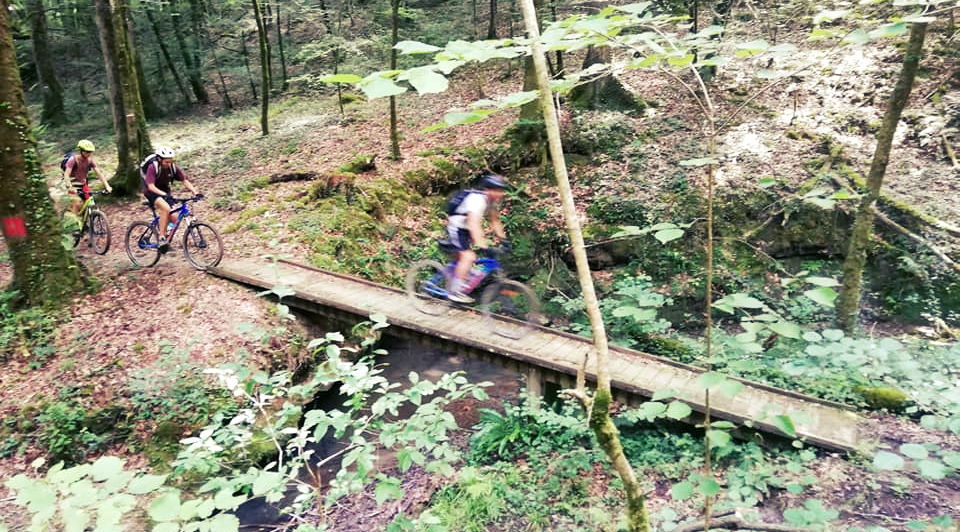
(198, 196)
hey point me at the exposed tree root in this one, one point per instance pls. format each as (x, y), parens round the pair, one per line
(735, 522)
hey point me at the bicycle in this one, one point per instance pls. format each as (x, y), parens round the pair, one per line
(427, 281)
(94, 224)
(202, 245)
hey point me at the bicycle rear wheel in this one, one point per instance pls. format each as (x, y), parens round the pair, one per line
(142, 244)
(426, 286)
(202, 245)
(99, 233)
(510, 308)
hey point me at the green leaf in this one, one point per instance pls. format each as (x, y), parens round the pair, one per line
(824, 203)
(387, 489)
(730, 388)
(678, 410)
(377, 86)
(710, 379)
(681, 490)
(752, 48)
(823, 295)
(680, 62)
(224, 523)
(766, 182)
(718, 438)
(785, 424)
(414, 47)
(886, 461)
(932, 469)
(823, 281)
(828, 15)
(166, 527)
(341, 78)
(166, 507)
(889, 30)
(668, 235)
(106, 467)
(709, 487)
(636, 9)
(857, 37)
(914, 450)
(786, 329)
(426, 81)
(146, 484)
(266, 482)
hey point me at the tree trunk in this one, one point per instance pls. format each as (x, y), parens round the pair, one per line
(53, 110)
(44, 272)
(600, 421)
(394, 35)
(246, 63)
(604, 92)
(530, 112)
(264, 69)
(193, 71)
(129, 123)
(283, 60)
(166, 56)
(150, 107)
(848, 302)
(492, 27)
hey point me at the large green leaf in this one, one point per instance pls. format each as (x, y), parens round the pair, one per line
(106, 467)
(885, 460)
(266, 482)
(414, 47)
(914, 450)
(785, 424)
(377, 86)
(786, 329)
(678, 410)
(426, 81)
(668, 235)
(889, 30)
(388, 488)
(166, 507)
(681, 490)
(823, 295)
(341, 78)
(146, 484)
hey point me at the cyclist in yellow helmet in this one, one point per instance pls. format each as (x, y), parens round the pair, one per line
(76, 167)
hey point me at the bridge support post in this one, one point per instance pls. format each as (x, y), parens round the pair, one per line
(534, 387)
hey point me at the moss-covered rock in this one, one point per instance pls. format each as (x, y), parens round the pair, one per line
(883, 397)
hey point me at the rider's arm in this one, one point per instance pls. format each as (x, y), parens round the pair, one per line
(103, 180)
(68, 170)
(150, 178)
(495, 222)
(475, 226)
(190, 186)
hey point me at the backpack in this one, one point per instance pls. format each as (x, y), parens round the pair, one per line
(66, 158)
(145, 165)
(456, 199)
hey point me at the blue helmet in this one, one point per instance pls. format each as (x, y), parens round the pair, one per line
(496, 181)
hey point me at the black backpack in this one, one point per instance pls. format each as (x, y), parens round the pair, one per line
(456, 199)
(66, 157)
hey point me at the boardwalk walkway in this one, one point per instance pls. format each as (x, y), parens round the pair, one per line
(818, 422)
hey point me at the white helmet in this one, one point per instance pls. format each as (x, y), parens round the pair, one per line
(165, 153)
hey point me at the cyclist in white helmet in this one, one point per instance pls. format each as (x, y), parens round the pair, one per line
(158, 176)
(465, 228)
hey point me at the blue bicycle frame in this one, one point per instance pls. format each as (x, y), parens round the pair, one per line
(484, 265)
(182, 212)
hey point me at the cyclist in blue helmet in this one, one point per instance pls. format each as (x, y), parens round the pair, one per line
(465, 228)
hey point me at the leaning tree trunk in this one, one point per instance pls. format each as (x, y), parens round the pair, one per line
(246, 63)
(848, 302)
(53, 111)
(44, 272)
(264, 69)
(166, 56)
(129, 123)
(600, 421)
(284, 84)
(150, 107)
(492, 26)
(194, 76)
(394, 34)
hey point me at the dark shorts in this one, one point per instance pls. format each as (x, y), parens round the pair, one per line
(152, 198)
(459, 238)
(83, 191)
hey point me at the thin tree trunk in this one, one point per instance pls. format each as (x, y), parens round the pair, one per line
(283, 60)
(394, 35)
(530, 111)
(848, 302)
(166, 56)
(492, 27)
(150, 107)
(193, 71)
(246, 63)
(264, 69)
(607, 434)
(44, 272)
(53, 109)
(553, 15)
(129, 124)
(225, 94)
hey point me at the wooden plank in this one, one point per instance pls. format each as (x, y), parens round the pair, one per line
(636, 373)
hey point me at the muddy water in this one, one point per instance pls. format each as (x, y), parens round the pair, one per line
(404, 356)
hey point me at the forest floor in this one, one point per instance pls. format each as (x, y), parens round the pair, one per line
(127, 325)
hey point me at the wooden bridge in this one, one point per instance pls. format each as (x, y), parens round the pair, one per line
(548, 357)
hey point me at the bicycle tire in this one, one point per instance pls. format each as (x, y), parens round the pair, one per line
(202, 245)
(99, 233)
(513, 300)
(426, 286)
(142, 243)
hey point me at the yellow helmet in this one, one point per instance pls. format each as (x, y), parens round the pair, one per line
(86, 145)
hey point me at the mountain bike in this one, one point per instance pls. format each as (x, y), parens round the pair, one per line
(202, 245)
(93, 223)
(427, 283)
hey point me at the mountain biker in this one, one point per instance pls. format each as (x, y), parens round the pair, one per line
(465, 229)
(158, 177)
(77, 167)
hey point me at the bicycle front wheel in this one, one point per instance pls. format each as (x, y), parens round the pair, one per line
(99, 233)
(202, 246)
(142, 244)
(426, 285)
(510, 308)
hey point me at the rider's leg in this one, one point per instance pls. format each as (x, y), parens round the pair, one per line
(465, 260)
(163, 211)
